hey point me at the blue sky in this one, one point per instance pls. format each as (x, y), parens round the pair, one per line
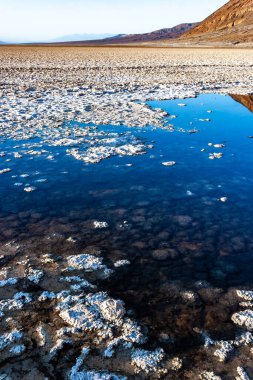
(34, 20)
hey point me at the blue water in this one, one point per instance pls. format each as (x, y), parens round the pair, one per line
(149, 206)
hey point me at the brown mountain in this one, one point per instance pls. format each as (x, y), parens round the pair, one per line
(167, 33)
(231, 23)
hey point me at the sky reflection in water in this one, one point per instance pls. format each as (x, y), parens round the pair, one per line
(149, 206)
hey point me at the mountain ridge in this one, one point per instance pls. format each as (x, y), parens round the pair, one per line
(233, 23)
(165, 33)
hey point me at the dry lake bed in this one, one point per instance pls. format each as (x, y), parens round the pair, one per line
(126, 234)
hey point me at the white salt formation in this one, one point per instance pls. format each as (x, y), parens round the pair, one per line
(244, 319)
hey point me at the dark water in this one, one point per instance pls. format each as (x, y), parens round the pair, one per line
(149, 206)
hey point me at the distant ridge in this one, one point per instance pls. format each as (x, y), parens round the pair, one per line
(166, 33)
(231, 23)
(81, 37)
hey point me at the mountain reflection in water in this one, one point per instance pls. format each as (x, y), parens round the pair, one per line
(245, 100)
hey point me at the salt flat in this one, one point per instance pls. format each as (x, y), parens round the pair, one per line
(100, 85)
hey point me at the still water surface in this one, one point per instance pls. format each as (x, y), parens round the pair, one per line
(169, 222)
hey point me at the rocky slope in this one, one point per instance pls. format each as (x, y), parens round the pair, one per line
(231, 23)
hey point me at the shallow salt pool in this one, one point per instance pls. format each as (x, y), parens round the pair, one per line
(206, 202)
(187, 226)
